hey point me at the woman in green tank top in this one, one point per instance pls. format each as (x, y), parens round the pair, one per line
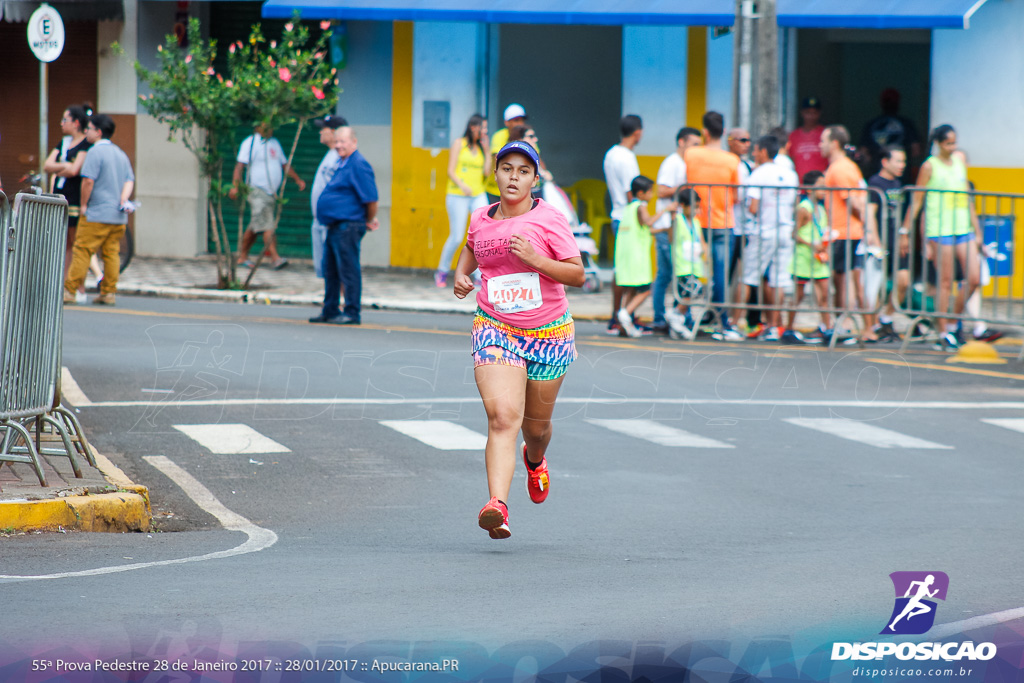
(951, 227)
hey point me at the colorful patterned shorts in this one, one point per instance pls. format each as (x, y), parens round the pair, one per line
(545, 352)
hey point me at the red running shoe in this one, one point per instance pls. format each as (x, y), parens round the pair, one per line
(537, 480)
(494, 519)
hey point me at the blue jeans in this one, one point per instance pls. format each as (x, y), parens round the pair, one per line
(662, 281)
(341, 268)
(720, 243)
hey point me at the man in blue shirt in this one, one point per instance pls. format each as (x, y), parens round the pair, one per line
(348, 207)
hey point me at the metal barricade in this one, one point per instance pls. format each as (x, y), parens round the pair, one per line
(31, 318)
(771, 248)
(962, 243)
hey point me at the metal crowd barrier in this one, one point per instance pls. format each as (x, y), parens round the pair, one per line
(941, 275)
(773, 247)
(31, 322)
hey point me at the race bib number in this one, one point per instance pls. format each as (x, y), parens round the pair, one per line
(515, 293)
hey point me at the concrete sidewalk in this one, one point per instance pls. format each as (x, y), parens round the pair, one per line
(383, 288)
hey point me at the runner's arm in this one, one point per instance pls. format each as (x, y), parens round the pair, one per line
(466, 265)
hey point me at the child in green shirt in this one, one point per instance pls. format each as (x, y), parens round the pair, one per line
(633, 272)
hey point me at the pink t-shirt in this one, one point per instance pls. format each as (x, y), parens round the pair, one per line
(548, 231)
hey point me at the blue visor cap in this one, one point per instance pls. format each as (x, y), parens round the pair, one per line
(523, 148)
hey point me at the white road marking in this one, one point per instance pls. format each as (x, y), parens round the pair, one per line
(70, 390)
(441, 434)
(865, 433)
(259, 538)
(231, 439)
(570, 400)
(1014, 423)
(982, 621)
(659, 433)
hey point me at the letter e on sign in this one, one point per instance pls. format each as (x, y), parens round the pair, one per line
(46, 33)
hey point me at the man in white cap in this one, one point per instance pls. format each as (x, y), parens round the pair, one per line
(514, 116)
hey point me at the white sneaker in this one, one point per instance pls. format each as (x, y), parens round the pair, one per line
(676, 321)
(728, 334)
(626, 321)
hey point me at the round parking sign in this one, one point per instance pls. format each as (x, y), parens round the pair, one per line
(46, 33)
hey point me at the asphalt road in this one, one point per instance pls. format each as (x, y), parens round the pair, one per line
(747, 519)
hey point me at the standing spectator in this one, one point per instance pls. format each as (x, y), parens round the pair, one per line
(514, 116)
(620, 167)
(469, 164)
(264, 164)
(951, 228)
(890, 130)
(847, 213)
(738, 142)
(783, 158)
(688, 260)
(890, 187)
(804, 141)
(633, 251)
(324, 171)
(348, 207)
(65, 166)
(772, 203)
(671, 176)
(810, 257)
(710, 164)
(107, 184)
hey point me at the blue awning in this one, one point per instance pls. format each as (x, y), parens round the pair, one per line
(602, 12)
(926, 14)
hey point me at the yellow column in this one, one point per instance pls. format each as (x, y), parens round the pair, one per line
(696, 75)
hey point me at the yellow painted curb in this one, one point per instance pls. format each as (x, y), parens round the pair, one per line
(117, 512)
(126, 509)
(977, 352)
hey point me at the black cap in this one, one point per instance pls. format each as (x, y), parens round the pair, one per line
(333, 122)
(810, 103)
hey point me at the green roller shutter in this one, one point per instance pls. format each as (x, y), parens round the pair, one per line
(231, 21)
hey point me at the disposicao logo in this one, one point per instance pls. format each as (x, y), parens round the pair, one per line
(914, 611)
(914, 614)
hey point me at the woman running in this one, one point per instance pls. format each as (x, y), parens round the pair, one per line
(950, 226)
(469, 163)
(523, 334)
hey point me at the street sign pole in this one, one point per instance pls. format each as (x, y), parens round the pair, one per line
(46, 39)
(44, 114)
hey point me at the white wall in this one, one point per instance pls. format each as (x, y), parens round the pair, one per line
(117, 86)
(445, 68)
(654, 83)
(976, 84)
(171, 220)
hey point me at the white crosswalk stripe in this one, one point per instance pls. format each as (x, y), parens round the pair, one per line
(659, 433)
(231, 439)
(865, 433)
(1014, 423)
(441, 434)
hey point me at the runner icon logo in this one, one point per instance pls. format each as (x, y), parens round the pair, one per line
(914, 611)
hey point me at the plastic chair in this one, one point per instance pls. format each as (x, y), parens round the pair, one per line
(593, 208)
